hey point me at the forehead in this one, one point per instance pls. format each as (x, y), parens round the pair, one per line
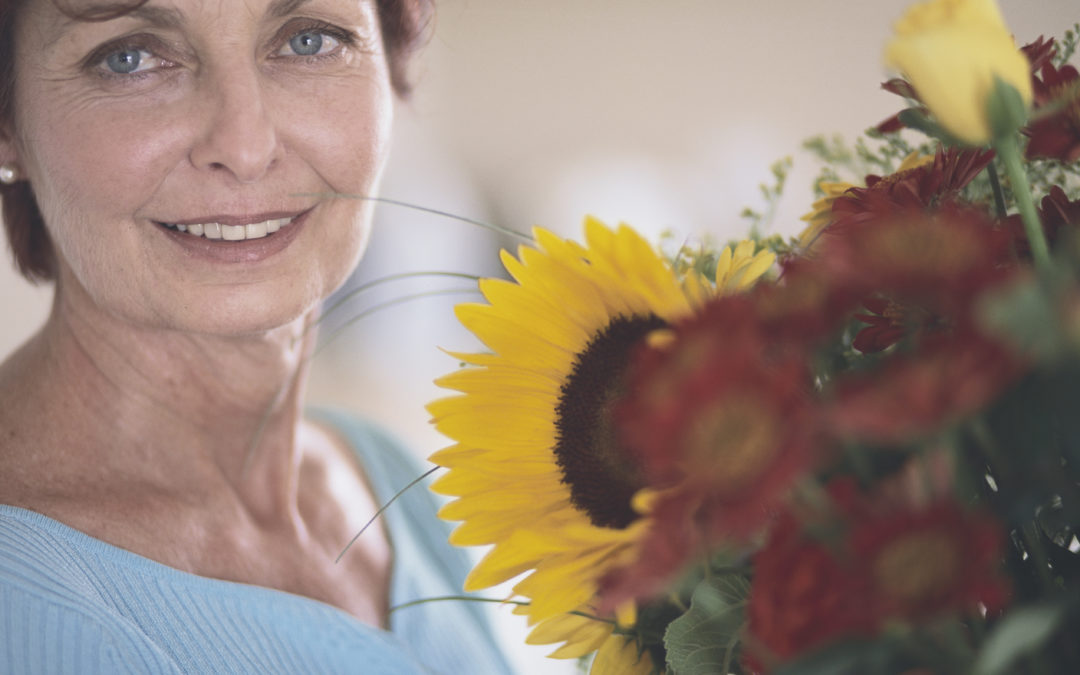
(59, 16)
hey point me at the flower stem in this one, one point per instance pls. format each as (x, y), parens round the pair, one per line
(995, 186)
(1009, 152)
(463, 598)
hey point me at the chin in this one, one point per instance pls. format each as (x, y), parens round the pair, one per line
(249, 311)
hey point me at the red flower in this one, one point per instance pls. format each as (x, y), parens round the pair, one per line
(918, 271)
(900, 87)
(722, 424)
(888, 322)
(921, 187)
(914, 393)
(879, 562)
(923, 273)
(805, 304)
(1056, 136)
(1039, 52)
(942, 257)
(803, 596)
(921, 563)
(1057, 215)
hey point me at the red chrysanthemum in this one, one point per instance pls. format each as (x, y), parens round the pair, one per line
(887, 322)
(900, 87)
(920, 563)
(914, 393)
(942, 256)
(1056, 136)
(921, 187)
(722, 424)
(1058, 216)
(918, 271)
(804, 305)
(879, 561)
(803, 596)
(923, 274)
(1039, 52)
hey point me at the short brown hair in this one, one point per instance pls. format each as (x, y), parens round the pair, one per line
(404, 25)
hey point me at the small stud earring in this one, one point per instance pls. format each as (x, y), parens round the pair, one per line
(8, 174)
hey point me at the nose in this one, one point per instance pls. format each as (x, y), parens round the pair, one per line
(237, 133)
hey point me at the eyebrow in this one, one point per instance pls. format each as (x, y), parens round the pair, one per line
(170, 18)
(107, 11)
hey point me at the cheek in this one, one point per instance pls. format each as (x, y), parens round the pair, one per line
(102, 161)
(341, 130)
(91, 169)
(342, 134)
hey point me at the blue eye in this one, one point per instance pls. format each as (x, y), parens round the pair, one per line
(311, 43)
(306, 44)
(125, 61)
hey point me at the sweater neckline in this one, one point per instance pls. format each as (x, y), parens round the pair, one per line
(122, 557)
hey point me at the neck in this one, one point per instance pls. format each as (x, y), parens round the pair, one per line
(174, 411)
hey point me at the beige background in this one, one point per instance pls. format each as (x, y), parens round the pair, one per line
(663, 114)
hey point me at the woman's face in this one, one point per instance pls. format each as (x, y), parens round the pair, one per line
(230, 118)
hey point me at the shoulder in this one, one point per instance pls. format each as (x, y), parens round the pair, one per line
(398, 482)
(385, 461)
(55, 618)
(451, 636)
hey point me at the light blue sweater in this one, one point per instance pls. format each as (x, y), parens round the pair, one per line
(70, 603)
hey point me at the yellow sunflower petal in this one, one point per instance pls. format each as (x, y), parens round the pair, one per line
(723, 265)
(581, 634)
(511, 488)
(626, 614)
(755, 268)
(621, 656)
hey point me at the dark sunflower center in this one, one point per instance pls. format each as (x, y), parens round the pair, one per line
(601, 476)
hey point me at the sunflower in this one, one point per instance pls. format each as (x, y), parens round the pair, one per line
(536, 470)
(820, 215)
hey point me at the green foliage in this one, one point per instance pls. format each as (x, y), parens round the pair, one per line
(1021, 632)
(704, 640)
(771, 193)
(701, 256)
(872, 153)
(1067, 45)
(845, 658)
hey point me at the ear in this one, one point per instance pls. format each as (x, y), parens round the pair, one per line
(9, 151)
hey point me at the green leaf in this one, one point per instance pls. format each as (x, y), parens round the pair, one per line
(1021, 632)
(844, 658)
(703, 640)
(916, 119)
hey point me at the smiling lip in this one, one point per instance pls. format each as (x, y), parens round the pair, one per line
(235, 239)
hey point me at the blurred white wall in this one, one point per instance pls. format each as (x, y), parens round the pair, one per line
(662, 114)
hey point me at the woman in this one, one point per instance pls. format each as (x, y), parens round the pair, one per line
(171, 165)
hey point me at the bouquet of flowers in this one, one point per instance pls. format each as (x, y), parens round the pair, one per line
(854, 452)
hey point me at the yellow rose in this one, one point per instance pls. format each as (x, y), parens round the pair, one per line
(951, 51)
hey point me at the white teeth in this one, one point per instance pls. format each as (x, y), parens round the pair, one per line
(234, 232)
